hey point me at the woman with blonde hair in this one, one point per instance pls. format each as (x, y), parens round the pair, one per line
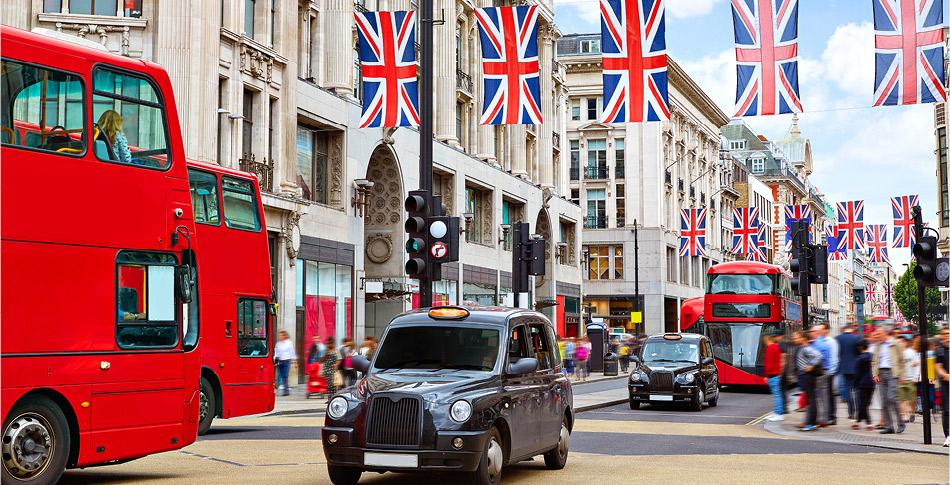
(111, 124)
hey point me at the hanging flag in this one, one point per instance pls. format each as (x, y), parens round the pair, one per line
(693, 232)
(908, 48)
(898, 315)
(745, 230)
(851, 224)
(904, 236)
(633, 42)
(512, 83)
(877, 243)
(795, 213)
(835, 251)
(888, 292)
(388, 56)
(766, 57)
(870, 293)
(759, 254)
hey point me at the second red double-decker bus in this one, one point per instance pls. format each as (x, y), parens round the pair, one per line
(237, 373)
(744, 301)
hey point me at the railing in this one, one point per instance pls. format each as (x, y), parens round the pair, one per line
(681, 186)
(669, 177)
(556, 139)
(596, 172)
(783, 172)
(595, 222)
(621, 222)
(463, 81)
(263, 169)
(619, 170)
(575, 173)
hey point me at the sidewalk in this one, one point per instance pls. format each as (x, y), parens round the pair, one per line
(912, 439)
(297, 402)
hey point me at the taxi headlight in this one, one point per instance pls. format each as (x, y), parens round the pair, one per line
(338, 407)
(689, 378)
(635, 376)
(461, 410)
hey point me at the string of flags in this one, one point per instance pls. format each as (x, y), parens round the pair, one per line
(908, 44)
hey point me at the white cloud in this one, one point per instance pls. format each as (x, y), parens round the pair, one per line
(690, 8)
(849, 62)
(588, 11)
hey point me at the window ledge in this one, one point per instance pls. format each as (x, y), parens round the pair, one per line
(98, 20)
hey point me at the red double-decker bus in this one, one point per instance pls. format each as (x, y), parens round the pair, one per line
(744, 300)
(100, 324)
(237, 373)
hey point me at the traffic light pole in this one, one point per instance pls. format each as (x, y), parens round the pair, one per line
(425, 130)
(922, 326)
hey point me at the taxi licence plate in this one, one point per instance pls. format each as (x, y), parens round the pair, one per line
(395, 460)
(661, 398)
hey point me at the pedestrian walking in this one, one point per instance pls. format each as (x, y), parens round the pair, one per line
(624, 352)
(316, 350)
(568, 359)
(284, 357)
(347, 351)
(864, 384)
(809, 369)
(907, 391)
(773, 363)
(824, 384)
(581, 355)
(887, 366)
(847, 355)
(330, 369)
(942, 354)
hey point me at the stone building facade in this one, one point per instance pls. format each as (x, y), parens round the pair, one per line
(273, 87)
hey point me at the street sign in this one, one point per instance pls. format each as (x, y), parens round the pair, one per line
(439, 250)
(636, 317)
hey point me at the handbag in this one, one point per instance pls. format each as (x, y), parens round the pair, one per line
(337, 379)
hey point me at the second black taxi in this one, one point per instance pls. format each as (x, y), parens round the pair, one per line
(453, 389)
(675, 368)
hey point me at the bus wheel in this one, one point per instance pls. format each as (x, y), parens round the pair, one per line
(35, 442)
(206, 407)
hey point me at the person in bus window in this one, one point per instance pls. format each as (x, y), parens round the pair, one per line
(111, 124)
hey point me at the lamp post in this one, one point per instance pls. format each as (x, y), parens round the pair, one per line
(363, 187)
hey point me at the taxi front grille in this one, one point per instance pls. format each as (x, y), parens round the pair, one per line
(661, 381)
(394, 421)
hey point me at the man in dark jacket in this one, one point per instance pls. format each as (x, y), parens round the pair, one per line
(848, 354)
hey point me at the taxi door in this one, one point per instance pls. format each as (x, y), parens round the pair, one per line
(523, 410)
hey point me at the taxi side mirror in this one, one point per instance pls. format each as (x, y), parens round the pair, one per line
(524, 365)
(709, 361)
(360, 363)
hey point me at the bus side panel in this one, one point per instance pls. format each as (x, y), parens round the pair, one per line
(75, 395)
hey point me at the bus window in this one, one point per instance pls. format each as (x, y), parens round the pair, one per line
(252, 328)
(129, 120)
(240, 204)
(41, 109)
(204, 196)
(740, 284)
(145, 300)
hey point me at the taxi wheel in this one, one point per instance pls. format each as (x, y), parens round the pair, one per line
(714, 401)
(492, 461)
(698, 401)
(557, 457)
(634, 404)
(344, 475)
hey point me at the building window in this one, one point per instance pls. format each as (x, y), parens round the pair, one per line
(596, 159)
(458, 46)
(273, 21)
(593, 108)
(737, 144)
(478, 293)
(618, 262)
(357, 74)
(599, 262)
(222, 120)
(325, 297)
(590, 46)
(576, 109)
(474, 199)
(696, 266)
(670, 264)
(596, 209)
(497, 140)
(575, 196)
(621, 205)
(575, 159)
(249, 18)
(247, 124)
(105, 8)
(758, 165)
(312, 159)
(684, 270)
(619, 168)
(459, 109)
(273, 119)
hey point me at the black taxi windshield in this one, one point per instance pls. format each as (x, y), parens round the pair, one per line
(660, 351)
(438, 347)
(740, 284)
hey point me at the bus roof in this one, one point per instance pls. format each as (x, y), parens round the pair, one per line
(746, 267)
(220, 169)
(57, 44)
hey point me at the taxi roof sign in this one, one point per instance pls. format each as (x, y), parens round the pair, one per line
(448, 313)
(673, 336)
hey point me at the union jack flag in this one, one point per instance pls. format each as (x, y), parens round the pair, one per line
(888, 292)
(693, 232)
(633, 42)
(745, 230)
(766, 57)
(835, 251)
(877, 243)
(851, 224)
(759, 253)
(904, 236)
(388, 56)
(795, 213)
(898, 315)
(870, 292)
(510, 63)
(908, 48)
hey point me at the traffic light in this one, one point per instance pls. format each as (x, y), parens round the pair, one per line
(416, 230)
(925, 250)
(799, 263)
(818, 264)
(534, 257)
(520, 240)
(443, 239)
(859, 296)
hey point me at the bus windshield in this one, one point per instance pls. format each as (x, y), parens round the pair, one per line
(739, 344)
(740, 284)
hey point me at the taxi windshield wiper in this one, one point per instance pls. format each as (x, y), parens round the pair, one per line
(402, 365)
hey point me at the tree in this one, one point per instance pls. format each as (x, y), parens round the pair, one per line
(905, 295)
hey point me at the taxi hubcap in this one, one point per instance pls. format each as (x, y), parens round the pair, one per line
(495, 457)
(565, 442)
(27, 446)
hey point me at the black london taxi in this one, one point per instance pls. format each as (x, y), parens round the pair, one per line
(453, 389)
(675, 368)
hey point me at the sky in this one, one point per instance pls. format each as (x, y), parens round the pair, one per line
(859, 152)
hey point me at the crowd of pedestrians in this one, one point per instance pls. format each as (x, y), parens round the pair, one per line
(883, 362)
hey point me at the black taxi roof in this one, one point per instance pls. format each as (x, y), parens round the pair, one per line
(483, 315)
(677, 336)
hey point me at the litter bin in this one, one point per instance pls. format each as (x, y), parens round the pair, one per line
(611, 364)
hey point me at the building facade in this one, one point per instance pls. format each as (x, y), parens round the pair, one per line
(632, 180)
(274, 87)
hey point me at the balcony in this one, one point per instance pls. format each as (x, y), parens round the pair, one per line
(619, 170)
(556, 140)
(669, 177)
(595, 222)
(575, 173)
(264, 171)
(598, 172)
(681, 186)
(463, 81)
(359, 7)
(783, 172)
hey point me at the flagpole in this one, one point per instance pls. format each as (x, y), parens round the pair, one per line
(425, 132)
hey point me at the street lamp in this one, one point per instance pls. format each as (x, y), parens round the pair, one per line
(505, 228)
(359, 198)
(559, 252)
(469, 219)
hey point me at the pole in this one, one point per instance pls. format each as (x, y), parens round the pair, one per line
(890, 311)
(425, 131)
(516, 264)
(922, 326)
(803, 257)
